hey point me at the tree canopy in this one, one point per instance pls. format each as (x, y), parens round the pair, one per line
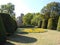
(8, 8)
(27, 19)
(51, 9)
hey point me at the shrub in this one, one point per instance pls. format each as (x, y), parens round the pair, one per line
(52, 23)
(58, 25)
(9, 23)
(39, 24)
(34, 30)
(2, 32)
(44, 23)
(55, 22)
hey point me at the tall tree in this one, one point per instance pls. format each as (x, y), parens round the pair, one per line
(8, 8)
(51, 9)
(27, 19)
(36, 19)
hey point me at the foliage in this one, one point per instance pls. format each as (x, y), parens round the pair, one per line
(2, 31)
(39, 24)
(58, 25)
(34, 30)
(52, 23)
(9, 23)
(27, 19)
(55, 22)
(44, 23)
(52, 9)
(36, 19)
(9, 9)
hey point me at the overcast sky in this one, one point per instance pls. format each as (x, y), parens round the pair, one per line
(25, 6)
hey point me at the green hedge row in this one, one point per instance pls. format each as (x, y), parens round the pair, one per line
(50, 23)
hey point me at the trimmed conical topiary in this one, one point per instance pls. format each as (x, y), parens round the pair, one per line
(52, 23)
(58, 25)
(55, 22)
(39, 24)
(9, 23)
(44, 23)
(2, 32)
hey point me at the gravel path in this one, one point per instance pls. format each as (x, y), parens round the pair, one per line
(47, 38)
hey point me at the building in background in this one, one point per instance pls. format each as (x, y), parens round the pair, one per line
(19, 20)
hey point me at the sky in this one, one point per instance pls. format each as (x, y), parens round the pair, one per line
(26, 6)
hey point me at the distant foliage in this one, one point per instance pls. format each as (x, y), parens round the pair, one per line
(27, 19)
(51, 9)
(36, 18)
(47, 18)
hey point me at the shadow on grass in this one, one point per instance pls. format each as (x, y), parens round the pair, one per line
(22, 39)
(8, 43)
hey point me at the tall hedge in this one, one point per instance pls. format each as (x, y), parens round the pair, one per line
(9, 23)
(58, 25)
(39, 24)
(52, 23)
(44, 23)
(55, 22)
(2, 32)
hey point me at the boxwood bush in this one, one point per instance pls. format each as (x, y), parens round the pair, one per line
(58, 25)
(9, 23)
(52, 23)
(44, 23)
(39, 24)
(55, 22)
(2, 32)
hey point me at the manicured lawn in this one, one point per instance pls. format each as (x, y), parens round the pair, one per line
(51, 37)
